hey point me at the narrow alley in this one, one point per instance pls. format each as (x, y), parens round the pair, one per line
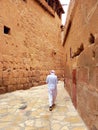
(29, 110)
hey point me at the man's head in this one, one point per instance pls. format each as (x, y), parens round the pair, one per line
(52, 71)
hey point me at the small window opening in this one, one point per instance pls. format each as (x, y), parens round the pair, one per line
(25, 0)
(93, 55)
(6, 30)
(91, 39)
(53, 52)
(79, 50)
(62, 27)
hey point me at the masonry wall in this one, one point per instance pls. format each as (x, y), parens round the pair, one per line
(30, 44)
(81, 53)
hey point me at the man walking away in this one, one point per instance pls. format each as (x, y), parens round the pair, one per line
(52, 81)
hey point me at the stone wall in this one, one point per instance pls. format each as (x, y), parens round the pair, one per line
(81, 53)
(30, 44)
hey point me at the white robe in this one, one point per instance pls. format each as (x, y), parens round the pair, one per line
(52, 81)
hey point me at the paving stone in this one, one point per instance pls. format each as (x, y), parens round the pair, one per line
(79, 128)
(56, 126)
(64, 128)
(13, 128)
(74, 119)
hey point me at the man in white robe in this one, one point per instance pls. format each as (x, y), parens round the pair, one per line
(52, 81)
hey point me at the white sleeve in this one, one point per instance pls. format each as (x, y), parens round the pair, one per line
(47, 79)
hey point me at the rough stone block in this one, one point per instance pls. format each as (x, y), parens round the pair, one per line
(6, 74)
(19, 86)
(83, 75)
(1, 74)
(11, 88)
(3, 90)
(15, 74)
(1, 82)
(5, 81)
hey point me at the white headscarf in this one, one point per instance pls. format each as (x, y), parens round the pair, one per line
(52, 71)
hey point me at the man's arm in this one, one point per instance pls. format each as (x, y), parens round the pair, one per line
(56, 80)
(47, 79)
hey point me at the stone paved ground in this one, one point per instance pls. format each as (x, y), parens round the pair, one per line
(28, 110)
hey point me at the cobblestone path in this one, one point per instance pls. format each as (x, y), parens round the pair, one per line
(29, 110)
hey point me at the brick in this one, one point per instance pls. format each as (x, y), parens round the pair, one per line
(15, 74)
(1, 65)
(5, 81)
(0, 73)
(22, 80)
(6, 73)
(19, 86)
(83, 75)
(96, 73)
(3, 90)
(1, 58)
(11, 88)
(1, 82)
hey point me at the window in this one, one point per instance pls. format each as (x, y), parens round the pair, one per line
(25, 0)
(79, 50)
(6, 30)
(93, 54)
(62, 27)
(91, 38)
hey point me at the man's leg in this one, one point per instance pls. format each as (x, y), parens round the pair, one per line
(50, 99)
(54, 95)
